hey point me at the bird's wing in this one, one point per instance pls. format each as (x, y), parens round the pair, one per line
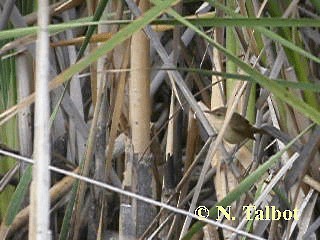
(243, 126)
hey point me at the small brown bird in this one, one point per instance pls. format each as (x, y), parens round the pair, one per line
(238, 129)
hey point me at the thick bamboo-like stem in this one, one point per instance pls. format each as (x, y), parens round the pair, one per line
(139, 97)
(139, 84)
(24, 72)
(39, 214)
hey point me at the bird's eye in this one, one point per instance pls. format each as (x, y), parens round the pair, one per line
(219, 114)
